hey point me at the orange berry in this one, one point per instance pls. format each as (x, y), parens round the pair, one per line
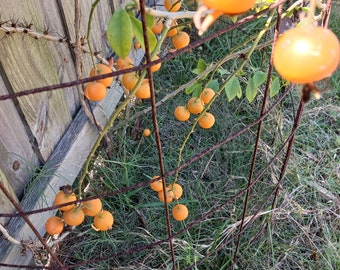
(172, 5)
(177, 190)
(129, 80)
(180, 40)
(95, 91)
(137, 45)
(156, 67)
(102, 69)
(157, 27)
(123, 63)
(207, 94)
(206, 120)
(62, 197)
(92, 207)
(146, 132)
(169, 195)
(306, 54)
(230, 6)
(54, 225)
(143, 91)
(74, 217)
(180, 212)
(173, 29)
(195, 105)
(157, 185)
(181, 113)
(103, 221)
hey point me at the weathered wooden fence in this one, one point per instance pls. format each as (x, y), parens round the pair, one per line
(47, 130)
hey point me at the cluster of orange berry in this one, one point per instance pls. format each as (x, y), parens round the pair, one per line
(173, 192)
(179, 38)
(195, 105)
(74, 215)
(96, 91)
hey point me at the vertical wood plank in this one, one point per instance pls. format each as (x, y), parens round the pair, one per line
(30, 63)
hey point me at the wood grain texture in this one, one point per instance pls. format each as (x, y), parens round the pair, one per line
(62, 168)
(16, 154)
(49, 113)
(30, 63)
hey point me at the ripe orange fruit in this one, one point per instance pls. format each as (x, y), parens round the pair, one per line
(180, 40)
(173, 29)
(137, 45)
(156, 67)
(62, 197)
(306, 54)
(232, 7)
(74, 217)
(172, 5)
(146, 132)
(195, 105)
(181, 113)
(123, 63)
(95, 91)
(177, 190)
(206, 120)
(180, 212)
(207, 94)
(157, 185)
(157, 27)
(54, 225)
(92, 207)
(143, 91)
(129, 80)
(102, 69)
(103, 221)
(169, 195)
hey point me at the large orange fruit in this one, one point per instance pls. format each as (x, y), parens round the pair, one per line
(102, 69)
(232, 7)
(62, 197)
(103, 221)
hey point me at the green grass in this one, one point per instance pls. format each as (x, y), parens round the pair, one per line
(301, 233)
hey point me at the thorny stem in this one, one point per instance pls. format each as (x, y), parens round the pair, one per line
(89, 31)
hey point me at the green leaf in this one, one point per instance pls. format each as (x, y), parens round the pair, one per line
(195, 71)
(191, 88)
(232, 88)
(222, 71)
(259, 78)
(201, 65)
(274, 87)
(251, 90)
(119, 33)
(239, 94)
(137, 29)
(149, 20)
(213, 84)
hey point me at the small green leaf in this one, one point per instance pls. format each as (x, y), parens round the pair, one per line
(201, 65)
(197, 92)
(213, 84)
(137, 29)
(222, 71)
(274, 87)
(251, 90)
(149, 20)
(232, 88)
(259, 78)
(195, 71)
(239, 94)
(191, 88)
(119, 33)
